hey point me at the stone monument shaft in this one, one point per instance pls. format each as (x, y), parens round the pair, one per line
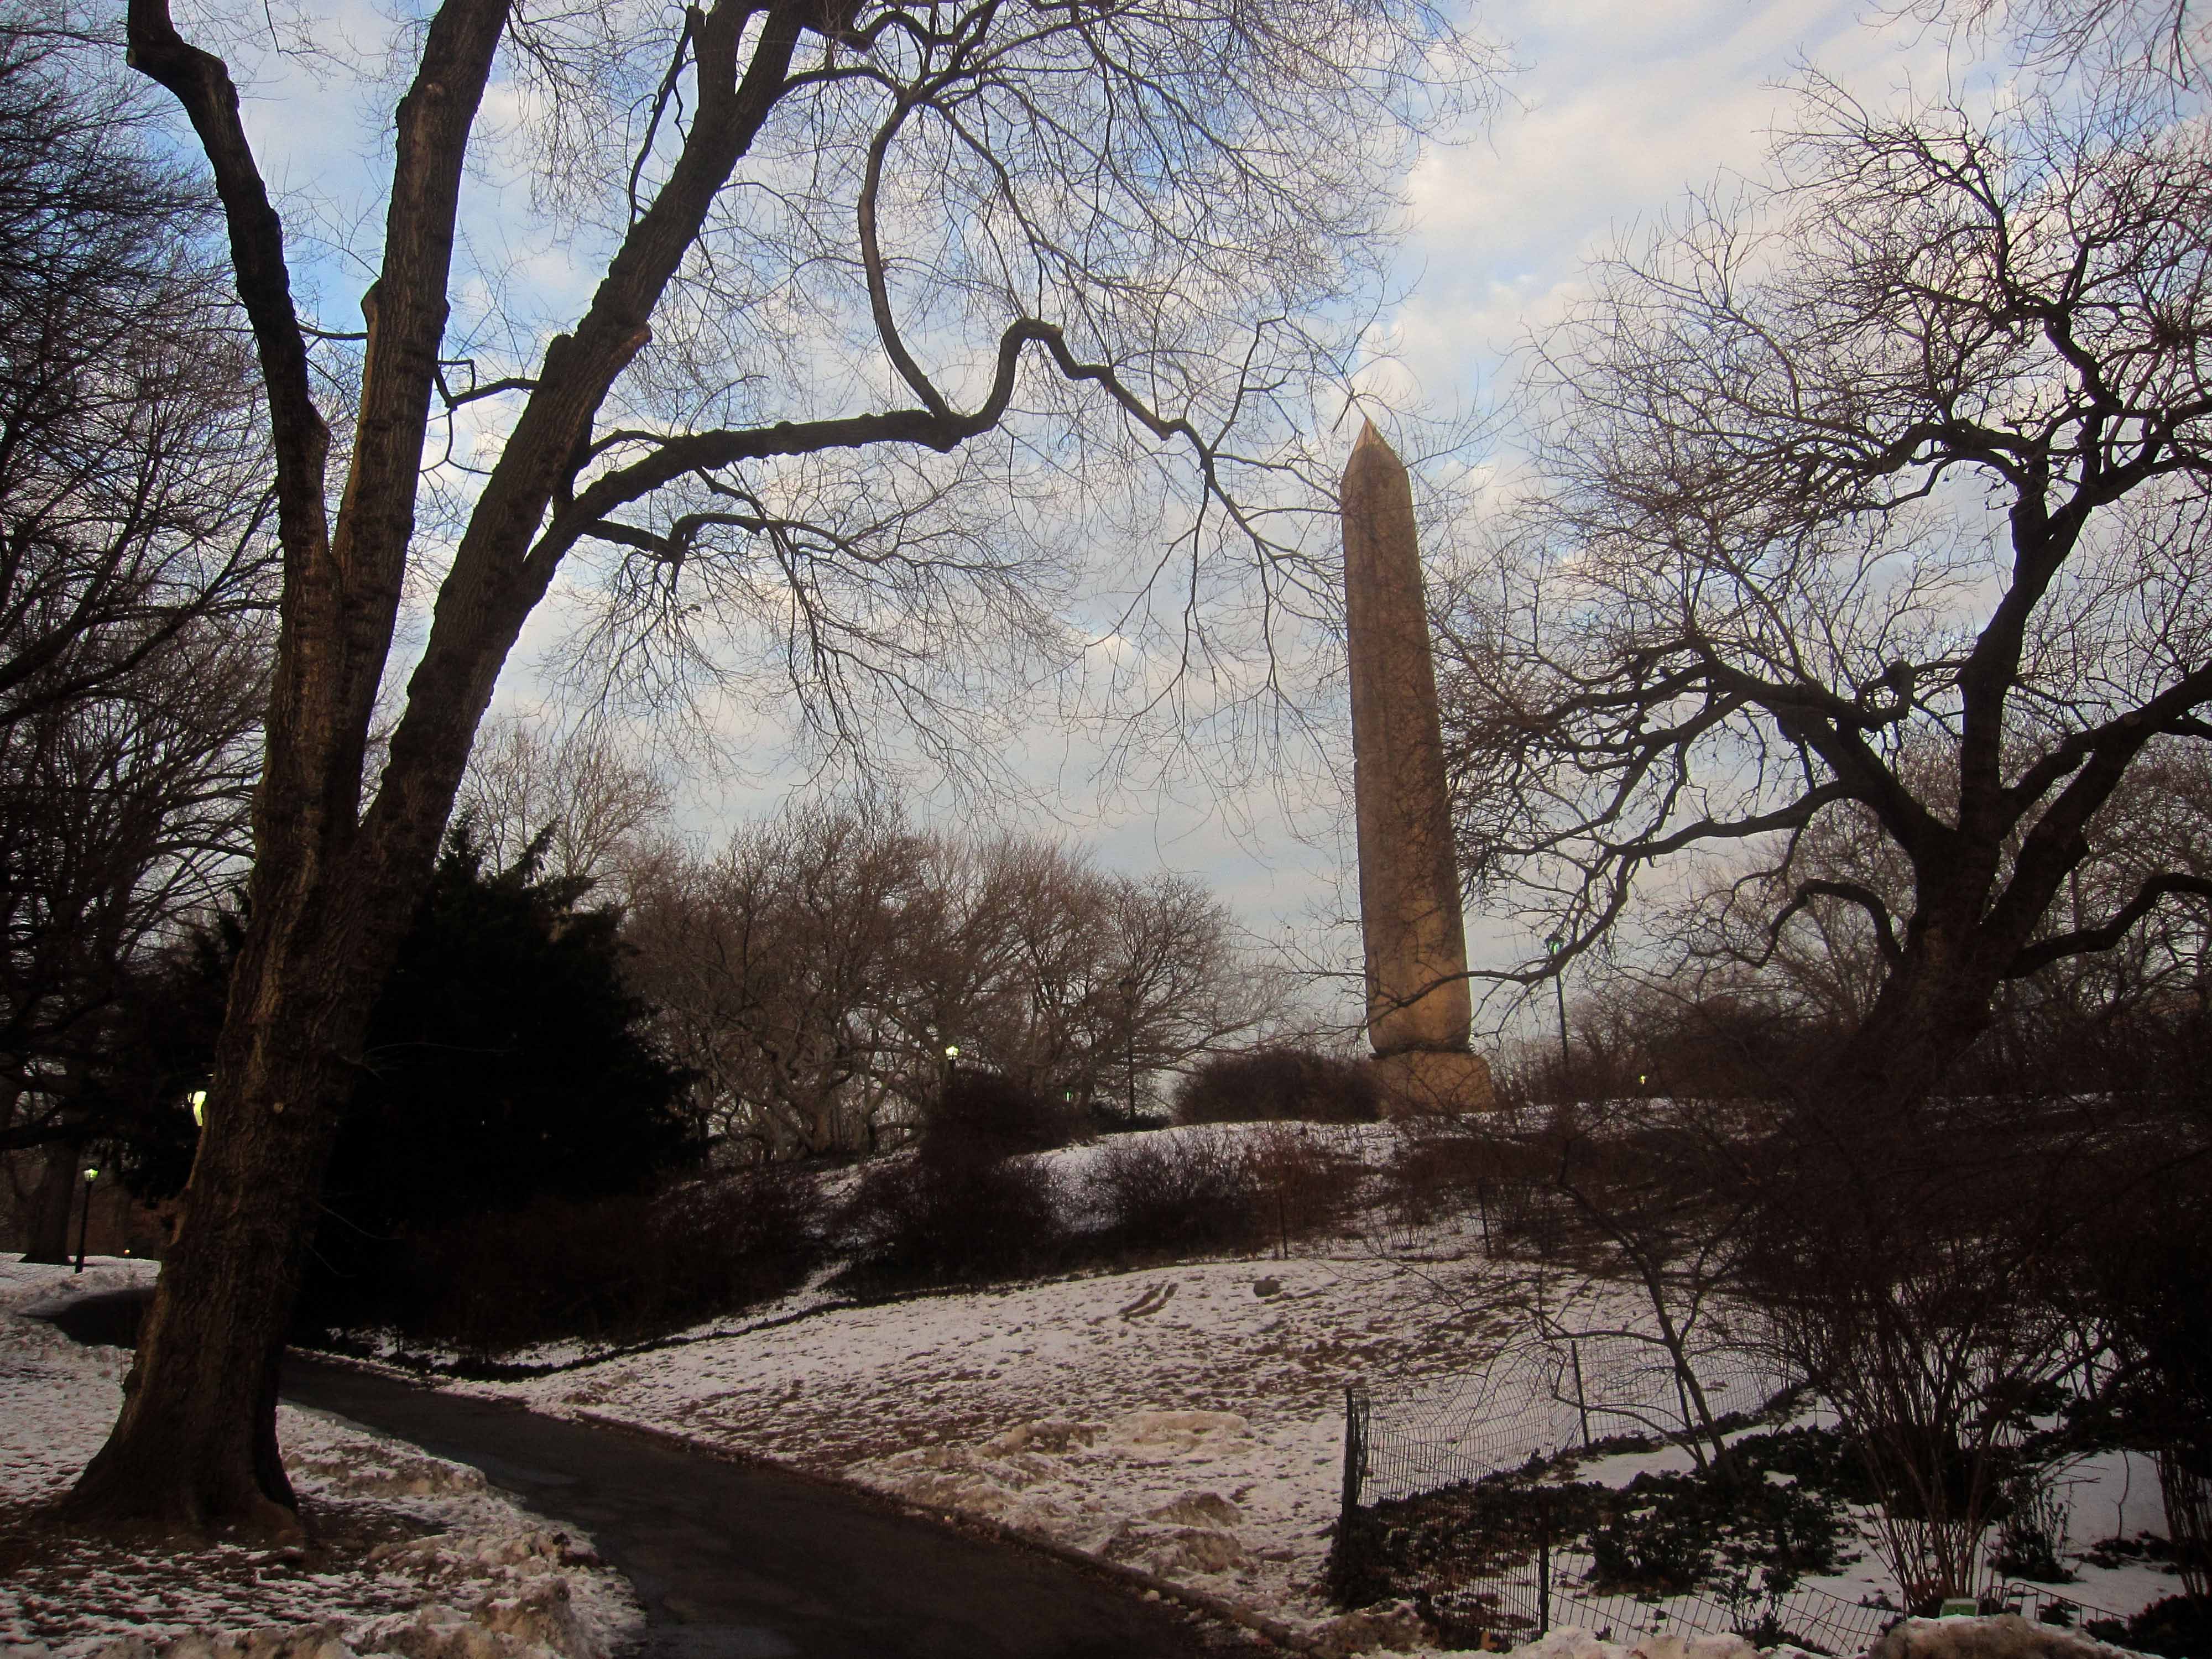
(1409, 899)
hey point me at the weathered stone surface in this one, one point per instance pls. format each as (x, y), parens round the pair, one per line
(1409, 902)
(1434, 1082)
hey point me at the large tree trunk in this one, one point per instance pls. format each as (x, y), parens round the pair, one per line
(50, 1213)
(1934, 1005)
(196, 1445)
(334, 887)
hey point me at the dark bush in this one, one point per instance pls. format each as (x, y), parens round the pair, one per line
(1669, 1532)
(1197, 1189)
(1266, 1084)
(1459, 1536)
(1526, 1216)
(2032, 1530)
(1437, 1173)
(615, 1269)
(1813, 1458)
(916, 1221)
(1665, 1550)
(1109, 1118)
(506, 1061)
(1662, 1534)
(2179, 1627)
(506, 1070)
(982, 1116)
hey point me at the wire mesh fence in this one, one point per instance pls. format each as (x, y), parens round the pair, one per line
(1539, 1398)
(1520, 1604)
(1425, 1516)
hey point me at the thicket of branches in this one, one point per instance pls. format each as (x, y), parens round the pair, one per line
(812, 976)
(1862, 582)
(135, 576)
(1981, 1295)
(875, 295)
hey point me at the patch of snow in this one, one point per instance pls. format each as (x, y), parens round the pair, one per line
(43, 1289)
(1177, 1420)
(1568, 1642)
(425, 1561)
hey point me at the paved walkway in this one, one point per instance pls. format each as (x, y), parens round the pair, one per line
(738, 1562)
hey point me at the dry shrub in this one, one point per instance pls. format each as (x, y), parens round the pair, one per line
(1194, 1190)
(1205, 1188)
(1306, 1185)
(1435, 1173)
(982, 1116)
(1913, 1270)
(1268, 1084)
(1529, 1217)
(916, 1221)
(614, 1269)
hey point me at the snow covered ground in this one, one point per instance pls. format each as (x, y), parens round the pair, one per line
(415, 1556)
(1185, 1420)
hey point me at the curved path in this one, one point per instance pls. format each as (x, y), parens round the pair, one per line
(737, 1561)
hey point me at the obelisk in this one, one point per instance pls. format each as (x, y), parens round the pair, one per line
(1418, 1012)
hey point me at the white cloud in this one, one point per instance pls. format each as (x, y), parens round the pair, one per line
(1620, 109)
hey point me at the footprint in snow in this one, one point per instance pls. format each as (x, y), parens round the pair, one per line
(1150, 1302)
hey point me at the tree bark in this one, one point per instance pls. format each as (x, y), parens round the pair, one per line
(333, 887)
(196, 1443)
(1922, 1025)
(49, 1216)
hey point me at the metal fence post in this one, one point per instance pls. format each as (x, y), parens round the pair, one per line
(1348, 1566)
(1582, 1404)
(1544, 1583)
(1355, 1446)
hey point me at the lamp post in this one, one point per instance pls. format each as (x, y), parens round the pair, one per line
(84, 1219)
(1129, 1041)
(1552, 947)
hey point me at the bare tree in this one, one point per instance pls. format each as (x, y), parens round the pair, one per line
(1040, 239)
(136, 572)
(2127, 40)
(133, 470)
(1875, 510)
(813, 975)
(1656, 1195)
(594, 803)
(123, 816)
(1823, 966)
(1197, 990)
(775, 969)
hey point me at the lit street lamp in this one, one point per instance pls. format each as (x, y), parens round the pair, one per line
(84, 1220)
(198, 1101)
(1552, 947)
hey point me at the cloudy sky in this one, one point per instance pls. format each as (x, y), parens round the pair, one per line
(1613, 110)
